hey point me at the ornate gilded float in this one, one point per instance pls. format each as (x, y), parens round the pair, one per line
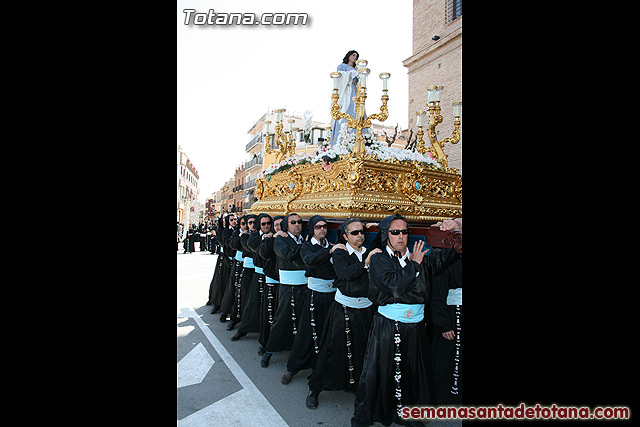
(362, 183)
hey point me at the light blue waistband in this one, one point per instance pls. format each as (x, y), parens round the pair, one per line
(292, 277)
(454, 297)
(239, 256)
(320, 285)
(248, 262)
(353, 302)
(259, 270)
(405, 313)
(270, 280)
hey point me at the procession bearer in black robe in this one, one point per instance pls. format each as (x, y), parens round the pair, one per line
(293, 281)
(446, 312)
(235, 271)
(242, 291)
(272, 281)
(222, 270)
(318, 298)
(251, 316)
(344, 339)
(397, 367)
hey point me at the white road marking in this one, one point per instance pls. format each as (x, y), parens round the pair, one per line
(247, 407)
(194, 366)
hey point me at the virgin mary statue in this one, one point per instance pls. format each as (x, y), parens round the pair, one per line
(347, 89)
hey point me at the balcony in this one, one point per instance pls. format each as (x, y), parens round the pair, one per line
(249, 184)
(254, 141)
(253, 162)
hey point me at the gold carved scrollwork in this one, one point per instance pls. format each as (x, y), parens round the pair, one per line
(359, 186)
(355, 171)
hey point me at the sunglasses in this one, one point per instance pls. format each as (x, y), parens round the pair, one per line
(250, 222)
(241, 223)
(356, 232)
(396, 232)
(233, 219)
(294, 222)
(318, 227)
(265, 223)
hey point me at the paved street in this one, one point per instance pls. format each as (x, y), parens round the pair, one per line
(221, 382)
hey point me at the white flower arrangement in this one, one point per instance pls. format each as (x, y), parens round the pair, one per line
(344, 145)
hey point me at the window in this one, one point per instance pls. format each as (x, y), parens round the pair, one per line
(453, 10)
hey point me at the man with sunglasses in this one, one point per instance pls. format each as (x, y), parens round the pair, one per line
(251, 298)
(397, 368)
(318, 298)
(272, 282)
(293, 282)
(251, 319)
(242, 292)
(344, 339)
(235, 279)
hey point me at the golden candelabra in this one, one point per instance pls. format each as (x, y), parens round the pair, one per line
(359, 122)
(284, 139)
(437, 147)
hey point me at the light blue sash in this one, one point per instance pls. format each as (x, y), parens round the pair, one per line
(270, 280)
(405, 313)
(454, 297)
(259, 270)
(292, 277)
(248, 262)
(320, 285)
(353, 302)
(239, 256)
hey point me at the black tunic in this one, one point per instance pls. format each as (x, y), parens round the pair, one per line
(251, 317)
(287, 317)
(227, 244)
(242, 291)
(270, 294)
(334, 369)
(307, 342)
(377, 398)
(220, 278)
(444, 352)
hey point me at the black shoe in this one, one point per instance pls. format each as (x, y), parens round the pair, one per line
(223, 318)
(238, 335)
(287, 377)
(209, 303)
(261, 351)
(312, 400)
(264, 362)
(231, 325)
(216, 309)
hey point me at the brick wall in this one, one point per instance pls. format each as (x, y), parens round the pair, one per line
(436, 62)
